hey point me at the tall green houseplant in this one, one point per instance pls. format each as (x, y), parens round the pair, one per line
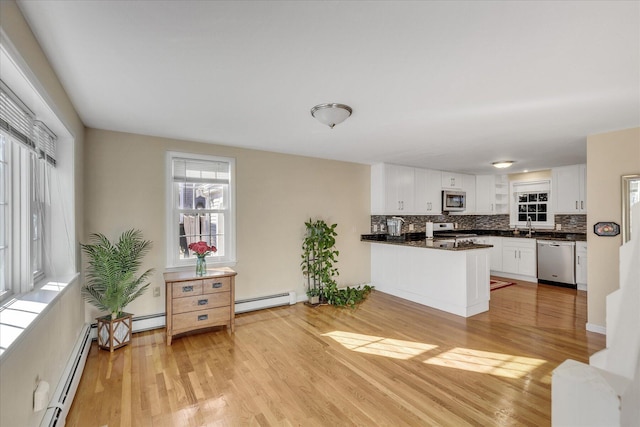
(111, 274)
(318, 258)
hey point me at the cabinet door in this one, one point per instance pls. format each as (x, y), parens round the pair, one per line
(452, 180)
(510, 259)
(581, 263)
(485, 194)
(527, 262)
(582, 172)
(399, 191)
(469, 187)
(496, 253)
(566, 189)
(428, 193)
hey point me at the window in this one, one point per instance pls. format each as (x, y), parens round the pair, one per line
(25, 169)
(200, 197)
(531, 203)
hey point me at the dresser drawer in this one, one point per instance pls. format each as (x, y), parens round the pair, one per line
(187, 289)
(201, 302)
(201, 319)
(217, 284)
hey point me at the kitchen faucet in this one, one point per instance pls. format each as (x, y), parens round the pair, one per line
(529, 226)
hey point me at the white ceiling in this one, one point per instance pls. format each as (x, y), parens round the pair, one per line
(444, 85)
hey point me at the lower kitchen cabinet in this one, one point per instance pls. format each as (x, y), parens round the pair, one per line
(581, 265)
(519, 256)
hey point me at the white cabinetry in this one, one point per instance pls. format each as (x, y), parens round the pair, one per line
(581, 265)
(492, 194)
(519, 256)
(418, 274)
(569, 189)
(392, 189)
(452, 180)
(495, 251)
(428, 192)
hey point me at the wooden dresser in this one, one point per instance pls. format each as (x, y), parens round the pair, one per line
(199, 302)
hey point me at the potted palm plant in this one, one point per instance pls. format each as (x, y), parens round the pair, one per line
(112, 283)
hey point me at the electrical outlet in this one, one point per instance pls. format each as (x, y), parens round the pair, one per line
(375, 227)
(558, 227)
(410, 227)
(156, 291)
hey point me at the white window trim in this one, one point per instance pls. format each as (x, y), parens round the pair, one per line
(171, 226)
(542, 186)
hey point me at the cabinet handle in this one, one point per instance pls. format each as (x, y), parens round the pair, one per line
(576, 204)
(582, 204)
(203, 317)
(578, 259)
(216, 285)
(491, 207)
(187, 289)
(519, 255)
(203, 301)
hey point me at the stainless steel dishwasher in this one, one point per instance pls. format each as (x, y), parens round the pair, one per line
(556, 262)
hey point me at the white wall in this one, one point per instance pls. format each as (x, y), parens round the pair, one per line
(609, 156)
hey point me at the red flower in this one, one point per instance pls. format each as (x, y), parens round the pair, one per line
(201, 248)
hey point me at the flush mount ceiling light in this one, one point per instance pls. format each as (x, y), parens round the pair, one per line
(331, 114)
(502, 164)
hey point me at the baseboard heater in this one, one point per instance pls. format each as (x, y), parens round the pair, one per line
(60, 403)
(268, 301)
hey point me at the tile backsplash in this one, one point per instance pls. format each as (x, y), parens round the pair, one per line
(569, 223)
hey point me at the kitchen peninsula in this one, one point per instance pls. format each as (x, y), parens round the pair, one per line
(438, 274)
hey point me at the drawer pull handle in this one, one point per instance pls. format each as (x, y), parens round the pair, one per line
(203, 301)
(187, 289)
(203, 317)
(216, 285)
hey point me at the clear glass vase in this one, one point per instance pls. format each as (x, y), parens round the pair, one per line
(201, 266)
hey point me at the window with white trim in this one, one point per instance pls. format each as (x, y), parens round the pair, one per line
(200, 207)
(531, 203)
(27, 151)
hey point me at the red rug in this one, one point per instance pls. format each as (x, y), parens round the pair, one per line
(497, 284)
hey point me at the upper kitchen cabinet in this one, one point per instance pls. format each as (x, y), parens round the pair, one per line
(452, 180)
(428, 192)
(569, 189)
(392, 189)
(492, 194)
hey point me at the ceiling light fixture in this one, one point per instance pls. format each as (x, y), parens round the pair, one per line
(331, 114)
(502, 164)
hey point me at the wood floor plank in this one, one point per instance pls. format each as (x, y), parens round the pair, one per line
(390, 362)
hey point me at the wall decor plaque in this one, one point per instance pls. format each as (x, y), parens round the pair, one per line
(606, 229)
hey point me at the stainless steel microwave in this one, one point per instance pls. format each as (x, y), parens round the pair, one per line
(454, 201)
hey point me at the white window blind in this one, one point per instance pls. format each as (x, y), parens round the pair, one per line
(18, 121)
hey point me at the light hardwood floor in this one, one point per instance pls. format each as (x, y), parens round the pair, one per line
(388, 363)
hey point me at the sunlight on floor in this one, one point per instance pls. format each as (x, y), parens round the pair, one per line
(380, 346)
(485, 362)
(504, 365)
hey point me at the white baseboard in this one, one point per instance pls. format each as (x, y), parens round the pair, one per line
(514, 276)
(599, 329)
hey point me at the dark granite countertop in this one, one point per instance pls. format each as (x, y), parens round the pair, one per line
(417, 241)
